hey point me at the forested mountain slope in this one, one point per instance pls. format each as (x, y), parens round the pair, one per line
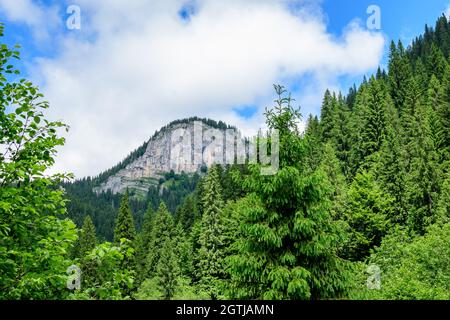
(359, 208)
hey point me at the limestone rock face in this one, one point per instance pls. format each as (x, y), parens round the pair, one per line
(182, 147)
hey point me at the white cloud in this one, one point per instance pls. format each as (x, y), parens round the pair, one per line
(447, 12)
(39, 19)
(135, 66)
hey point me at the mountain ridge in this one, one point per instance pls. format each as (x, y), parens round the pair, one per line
(162, 153)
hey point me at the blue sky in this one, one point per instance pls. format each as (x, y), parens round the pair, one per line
(400, 20)
(136, 65)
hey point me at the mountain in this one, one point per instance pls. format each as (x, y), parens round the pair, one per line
(174, 148)
(150, 174)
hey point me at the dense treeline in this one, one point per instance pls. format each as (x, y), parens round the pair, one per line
(103, 208)
(363, 192)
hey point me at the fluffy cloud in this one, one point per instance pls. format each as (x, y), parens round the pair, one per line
(447, 12)
(39, 19)
(136, 65)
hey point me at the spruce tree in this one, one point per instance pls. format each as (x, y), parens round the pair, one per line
(332, 168)
(421, 160)
(143, 243)
(340, 135)
(328, 116)
(87, 240)
(184, 251)
(367, 212)
(167, 270)
(314, 138)
(124, 222)
(289, 245)
(163, 229)
(187, 213)
(209, 267)
(391, 173)
(438, 111)
(370, 125)
(374, 119)
(399, 74)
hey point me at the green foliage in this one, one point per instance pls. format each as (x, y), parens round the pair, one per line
(87, 239)
(289, 244)
(34, 243)
(167, 270)
(210, 255)
(367, 212)
(368, 183)
(144, 240)
(162, 231)
(103, 276)
(412, 268)
(125, 228)
(149, 290)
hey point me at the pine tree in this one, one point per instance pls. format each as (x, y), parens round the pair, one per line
(399, 74)
(87, 239)
(143, 243)
(367, 212)
(184, 251)
(369, 124)
(313, 136)
(163, 229)
(328, 116)
(187, 213)
(209, 268)
(340, 135)
(391, 173)
(332, 168)
(124, 222)
(290, 241)
(436, 63)
(374, 119)
(421, 158)
(167, 270)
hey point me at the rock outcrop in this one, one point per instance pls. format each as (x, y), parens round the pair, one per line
(181, 147)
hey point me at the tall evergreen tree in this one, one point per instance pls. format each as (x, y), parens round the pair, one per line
(438, 111)
(399, 74)
(369, 124)
(124, 222)
(210, 268)
(87, 240)
(367, 212)
(163, 229)
(187, 213)
(341, 135)
(313, 135)
(421, 158)
(143, 243)
(327, 116)
(391, 173)
(167, 270)
(289, 244)
(331, 166)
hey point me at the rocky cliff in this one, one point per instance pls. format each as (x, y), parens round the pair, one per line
(182, 146)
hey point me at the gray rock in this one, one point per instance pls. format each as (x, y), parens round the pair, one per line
(183, 147)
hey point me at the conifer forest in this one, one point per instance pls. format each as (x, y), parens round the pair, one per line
(358, 209)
